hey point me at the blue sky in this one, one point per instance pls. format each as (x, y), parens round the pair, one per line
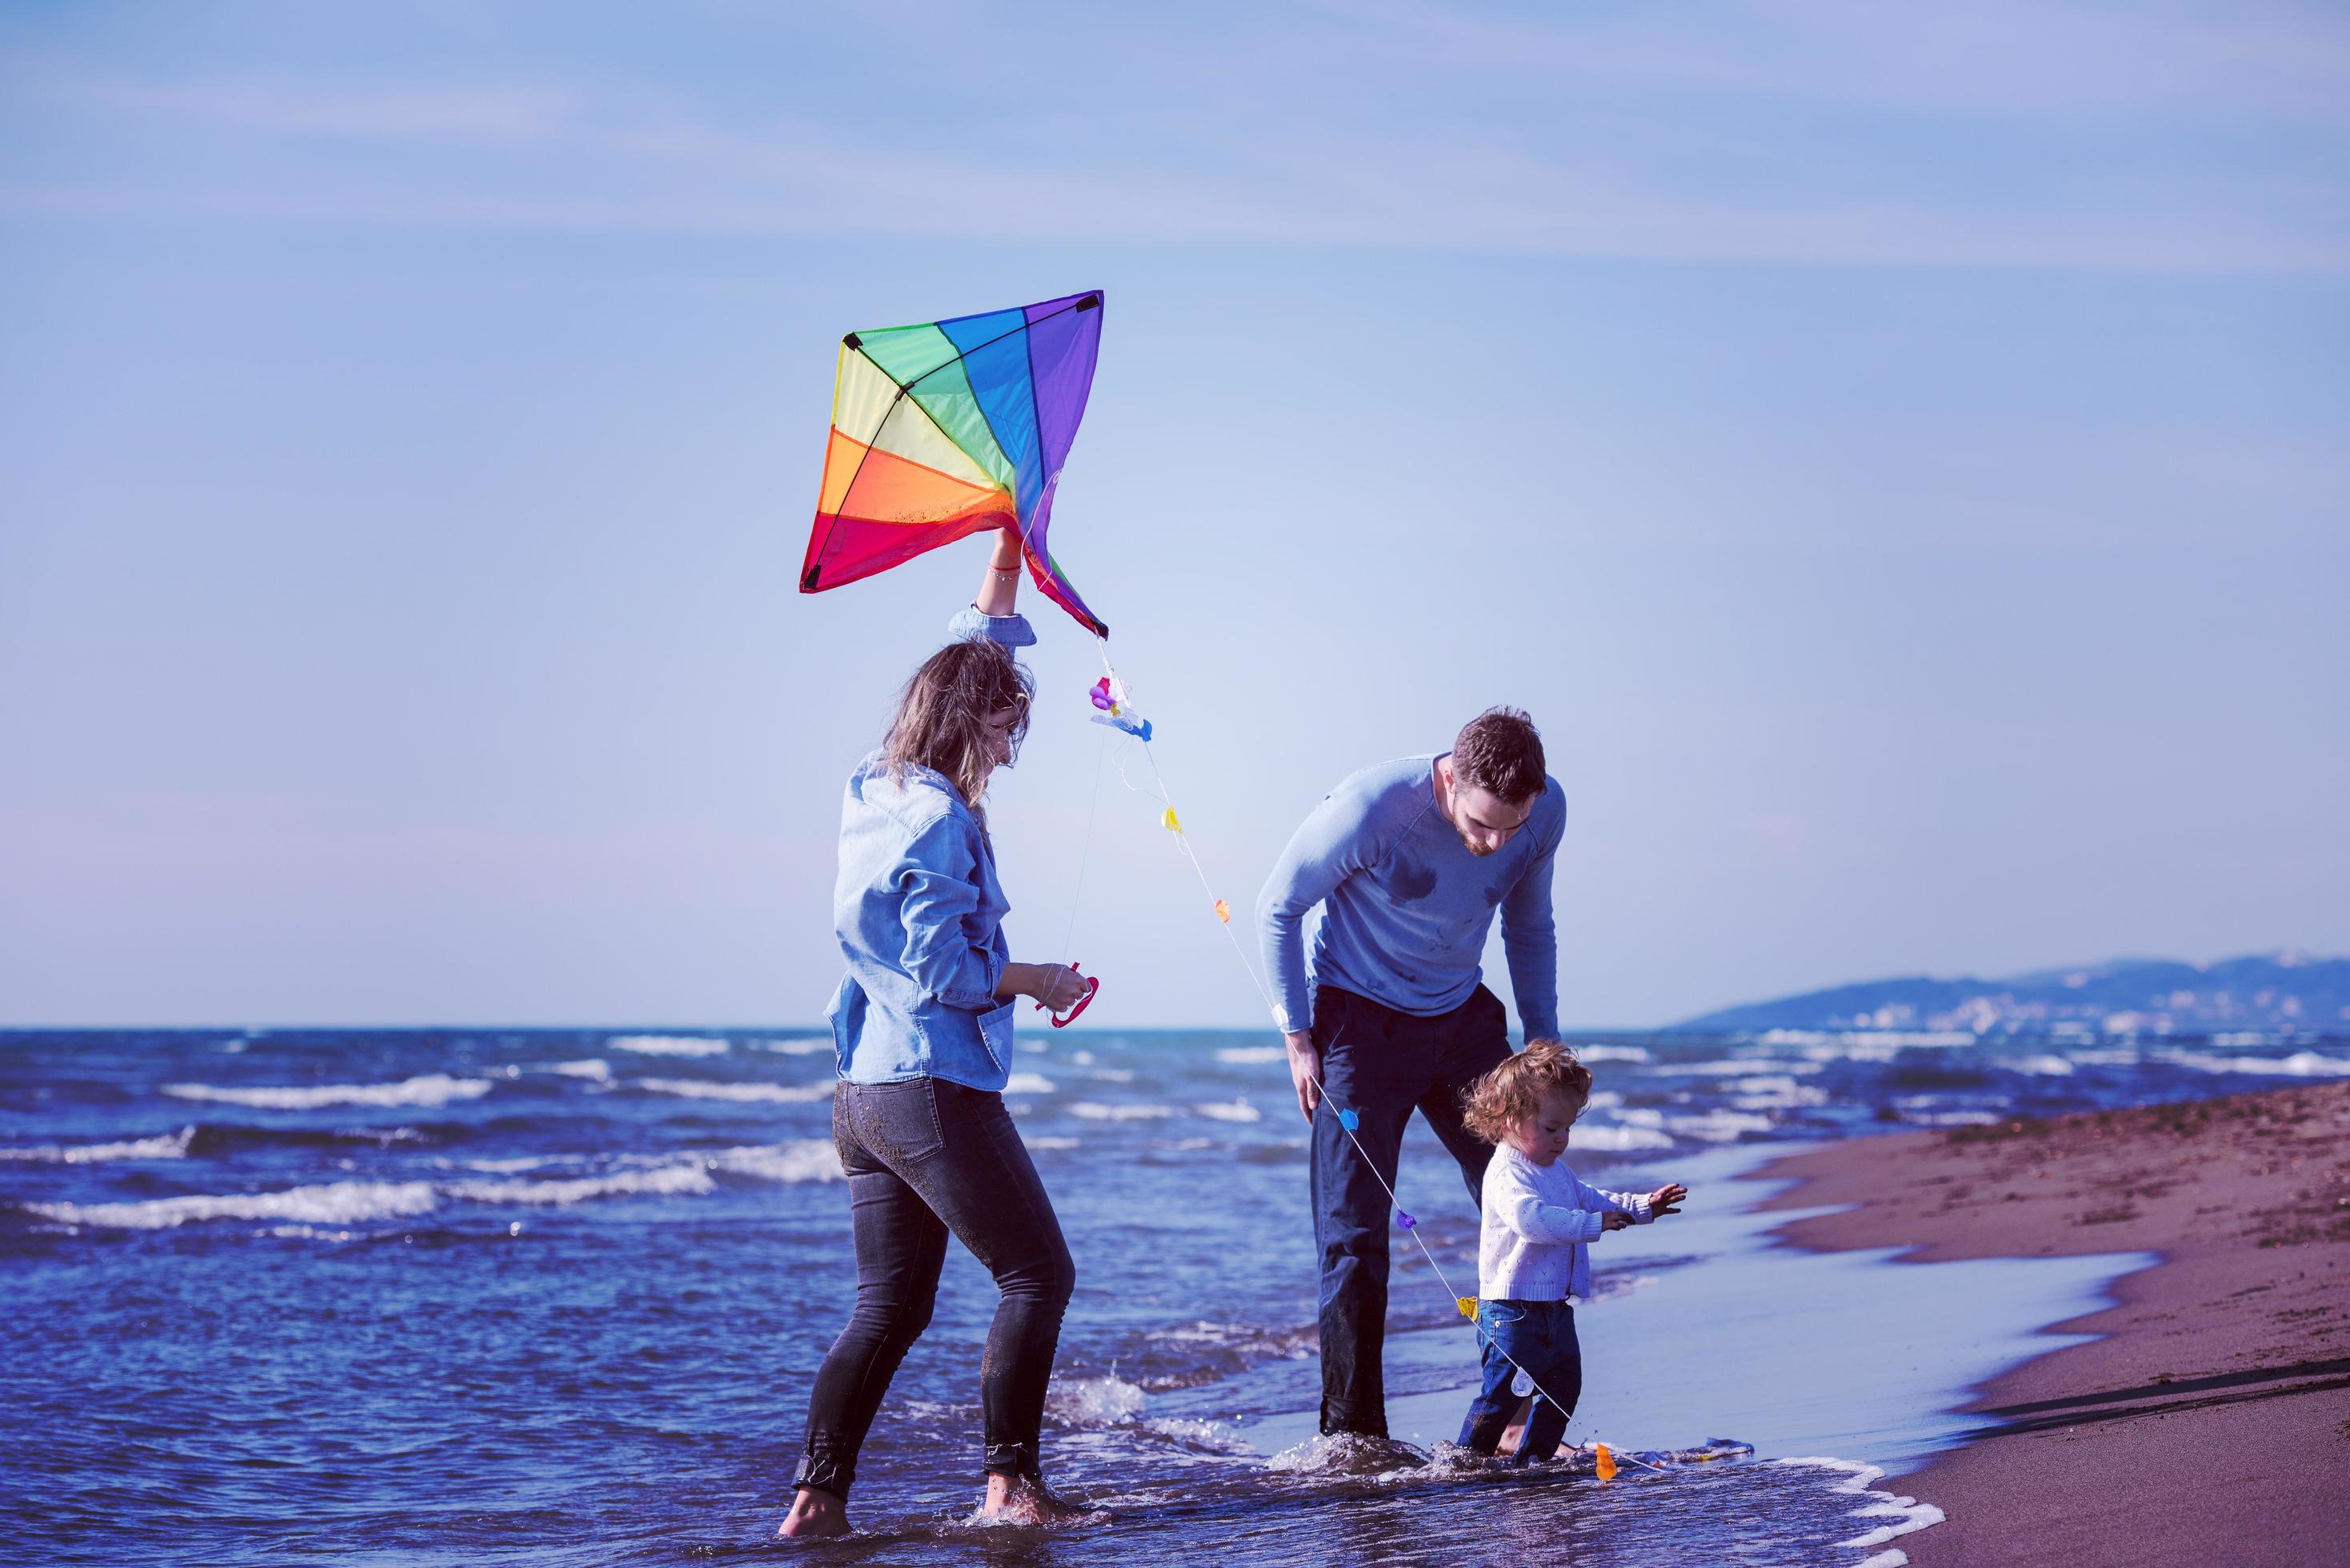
(1897, 458)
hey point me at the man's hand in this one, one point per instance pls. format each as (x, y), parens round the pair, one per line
(1667, 1199)
(1304, 1070)
(1614, 1219)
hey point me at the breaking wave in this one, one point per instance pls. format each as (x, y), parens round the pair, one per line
(664, 1179)
(331, 1203)
(170, 1146)
(426, 1089)
(668, 1044)
(741, 1094)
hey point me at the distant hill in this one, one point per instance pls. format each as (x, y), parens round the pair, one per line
(2271, 993)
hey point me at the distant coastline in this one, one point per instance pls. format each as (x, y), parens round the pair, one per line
(2273, 993)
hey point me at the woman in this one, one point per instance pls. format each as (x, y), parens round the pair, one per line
(922, 1024)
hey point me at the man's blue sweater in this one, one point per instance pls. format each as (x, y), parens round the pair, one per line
(1407, 906)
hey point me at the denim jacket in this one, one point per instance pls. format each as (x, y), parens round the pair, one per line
(920, 916)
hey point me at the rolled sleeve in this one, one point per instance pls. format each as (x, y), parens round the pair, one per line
(940, 958)
(1011, 630)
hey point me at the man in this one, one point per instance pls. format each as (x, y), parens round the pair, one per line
(1408, 860)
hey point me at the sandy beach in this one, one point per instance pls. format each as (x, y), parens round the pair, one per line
(2210, 1422)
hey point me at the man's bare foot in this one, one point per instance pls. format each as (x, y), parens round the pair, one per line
(1019, 1501)
(816, 1513)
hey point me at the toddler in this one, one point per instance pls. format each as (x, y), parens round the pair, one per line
(1533, 1256)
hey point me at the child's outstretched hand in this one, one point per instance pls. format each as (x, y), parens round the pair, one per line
(1667, 1199)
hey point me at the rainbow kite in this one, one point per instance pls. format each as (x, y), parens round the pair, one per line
(944, 430)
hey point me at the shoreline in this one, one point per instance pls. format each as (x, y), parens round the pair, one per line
(2209, 1419)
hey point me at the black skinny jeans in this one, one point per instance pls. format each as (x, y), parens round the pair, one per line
(924, 1158)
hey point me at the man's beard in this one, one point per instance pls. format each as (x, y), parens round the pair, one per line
(1473, 847)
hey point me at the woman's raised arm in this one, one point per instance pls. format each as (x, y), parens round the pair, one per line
(999, 585)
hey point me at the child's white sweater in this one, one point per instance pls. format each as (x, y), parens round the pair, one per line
(1539, 1221)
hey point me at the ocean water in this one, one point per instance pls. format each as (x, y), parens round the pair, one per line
(555, 1297)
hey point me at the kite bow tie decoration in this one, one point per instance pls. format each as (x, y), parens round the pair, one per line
(1116, 709)
(947, 429)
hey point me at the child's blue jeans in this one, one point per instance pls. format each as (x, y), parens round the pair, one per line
(1539, 1336)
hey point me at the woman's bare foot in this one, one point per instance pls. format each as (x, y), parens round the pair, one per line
(1019, 1501)
(816, 1513)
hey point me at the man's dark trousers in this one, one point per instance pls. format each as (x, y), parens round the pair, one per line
(1382, 1064)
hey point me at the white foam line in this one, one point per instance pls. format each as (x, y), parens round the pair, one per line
(2300, 1064)
(668, 1180)
(742, 1094)
(805, 1159)
(1741, 1068)
(1908, 1514)
(1618, 1140)
(337, 1203)
(426, 1089)
(667, 1045)
(170, 1146)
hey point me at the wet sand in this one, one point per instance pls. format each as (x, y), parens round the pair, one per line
(2210, 1422)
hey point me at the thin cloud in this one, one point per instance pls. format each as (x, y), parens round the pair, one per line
(555, 156)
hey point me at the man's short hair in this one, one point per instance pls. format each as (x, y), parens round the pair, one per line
(1500, 750)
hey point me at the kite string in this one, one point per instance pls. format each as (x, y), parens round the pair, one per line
(1085, 855)
(1183, 843)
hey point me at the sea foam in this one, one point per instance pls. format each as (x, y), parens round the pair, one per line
(1618, 1140)
(667, 1045)
(170, 1146)
(1249, 1055)
(742, 1094)
(1907, 1513)
(663, 1179)
(1093, 1401)
(796, 1047)
(2300, 1064)
(427, 1089)
(803, 1160)
(331, 1203)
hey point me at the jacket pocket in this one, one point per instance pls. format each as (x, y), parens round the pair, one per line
(995, 1034)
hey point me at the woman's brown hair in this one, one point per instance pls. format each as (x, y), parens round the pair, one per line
(943, 713)
(1513, 1093)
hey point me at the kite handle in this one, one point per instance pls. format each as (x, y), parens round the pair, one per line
(1063, 1019)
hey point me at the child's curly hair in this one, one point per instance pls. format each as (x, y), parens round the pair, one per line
(1513, 1093)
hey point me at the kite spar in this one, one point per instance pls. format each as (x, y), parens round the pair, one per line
(948, 429)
